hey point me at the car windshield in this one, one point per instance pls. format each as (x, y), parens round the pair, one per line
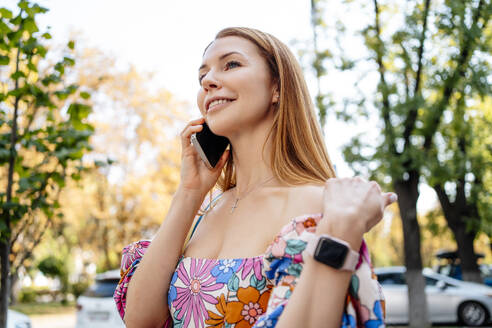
(395, 278)
(102, 288)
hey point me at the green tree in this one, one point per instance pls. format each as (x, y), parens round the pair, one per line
(53, 267)
(43, 135)
(137, 125)
(457, 170)
(420, 67)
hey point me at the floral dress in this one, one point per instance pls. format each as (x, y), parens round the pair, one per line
(253, 292)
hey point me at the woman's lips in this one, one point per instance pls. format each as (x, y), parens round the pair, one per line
(219, 106)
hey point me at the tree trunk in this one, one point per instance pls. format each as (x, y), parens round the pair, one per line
(456, 215)
(466, 252)
(4, 281)
(407, 191)
(14, 288)
(467, 255)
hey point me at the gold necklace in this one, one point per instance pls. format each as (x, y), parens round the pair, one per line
(247, 192)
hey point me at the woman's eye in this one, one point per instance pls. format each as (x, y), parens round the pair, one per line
(233, 64)
(200, 78)
(229, 65)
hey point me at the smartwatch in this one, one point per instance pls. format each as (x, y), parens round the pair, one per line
(333, 252)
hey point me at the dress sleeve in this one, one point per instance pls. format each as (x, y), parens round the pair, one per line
(130, 259)
(364, 304)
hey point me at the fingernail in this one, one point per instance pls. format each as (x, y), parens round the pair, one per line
(393, 197)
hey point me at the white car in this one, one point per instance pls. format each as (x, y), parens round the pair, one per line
(17, 320)
(448, 300)
(96, 307)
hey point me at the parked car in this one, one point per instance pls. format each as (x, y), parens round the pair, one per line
(96, 307)
(17, 320)
(450, 266)
(449, 300)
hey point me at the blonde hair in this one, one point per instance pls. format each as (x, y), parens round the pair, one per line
(298, 153)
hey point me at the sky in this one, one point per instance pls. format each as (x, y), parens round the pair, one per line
(167, 38)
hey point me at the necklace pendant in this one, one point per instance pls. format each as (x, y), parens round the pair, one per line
(235, 205)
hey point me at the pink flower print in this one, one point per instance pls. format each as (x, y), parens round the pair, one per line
(251, 312)
(132, 252)
(249, 264)
(278, 247)
(199, 282)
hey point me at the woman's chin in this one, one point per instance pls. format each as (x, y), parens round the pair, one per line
(219, 126)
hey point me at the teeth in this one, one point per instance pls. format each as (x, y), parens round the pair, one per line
(217, 102)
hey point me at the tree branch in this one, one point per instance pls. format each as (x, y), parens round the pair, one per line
(412, 115)
(443, 199)
(466, 52)
(386, 105)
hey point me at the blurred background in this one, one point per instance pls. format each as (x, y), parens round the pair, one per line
(93, 95)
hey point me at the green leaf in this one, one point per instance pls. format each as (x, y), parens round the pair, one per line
(233, 283)
(5, 13)
(23, 4)
(68, 61)
(4, 60)
(71, 44)
(46, 35)
(294, 269)
(295, 246)
(258, 284)
(59, 67)
(32, 67)
(4, 29)
(17, 75)
(30, 26)
(85, 95)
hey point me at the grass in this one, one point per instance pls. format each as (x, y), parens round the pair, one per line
(44, 308)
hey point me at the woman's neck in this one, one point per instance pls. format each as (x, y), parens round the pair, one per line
(252, 167)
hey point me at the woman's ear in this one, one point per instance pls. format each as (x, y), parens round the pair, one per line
(276, 96)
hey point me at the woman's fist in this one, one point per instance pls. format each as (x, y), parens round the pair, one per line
(352, 206)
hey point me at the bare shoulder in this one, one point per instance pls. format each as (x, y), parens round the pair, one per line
(307, 199)
(298, 201)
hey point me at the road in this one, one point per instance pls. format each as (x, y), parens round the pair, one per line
(66, 320)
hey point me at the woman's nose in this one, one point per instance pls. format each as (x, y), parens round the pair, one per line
(210, 81)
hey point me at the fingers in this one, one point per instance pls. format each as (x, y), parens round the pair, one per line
(389, 198)
(222, 161)
(192, 127)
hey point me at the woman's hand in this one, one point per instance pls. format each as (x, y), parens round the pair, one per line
(352, 206)
(195, 176)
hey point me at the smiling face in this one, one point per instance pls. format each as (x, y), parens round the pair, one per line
(236, 88)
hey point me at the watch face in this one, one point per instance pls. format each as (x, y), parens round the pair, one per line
(331, 252)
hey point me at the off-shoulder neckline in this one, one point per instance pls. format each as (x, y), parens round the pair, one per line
(294, 219)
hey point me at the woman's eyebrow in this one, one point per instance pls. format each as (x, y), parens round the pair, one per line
(222, 57)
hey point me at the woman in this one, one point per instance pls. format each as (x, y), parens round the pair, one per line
(256, 259)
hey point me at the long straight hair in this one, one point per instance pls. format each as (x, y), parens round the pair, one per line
(299, 154)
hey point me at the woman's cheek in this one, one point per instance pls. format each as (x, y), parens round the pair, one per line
(199, 101)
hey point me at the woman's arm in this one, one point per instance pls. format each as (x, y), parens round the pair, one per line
(318, 299)
(146, 300)
(351, 208)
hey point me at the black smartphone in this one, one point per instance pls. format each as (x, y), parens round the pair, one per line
(209, 146)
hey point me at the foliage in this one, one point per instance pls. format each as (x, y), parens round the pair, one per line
(79, 288)
(44, 133)
(52, 267)
(137, 126)
(427, 60)
(28, 295)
